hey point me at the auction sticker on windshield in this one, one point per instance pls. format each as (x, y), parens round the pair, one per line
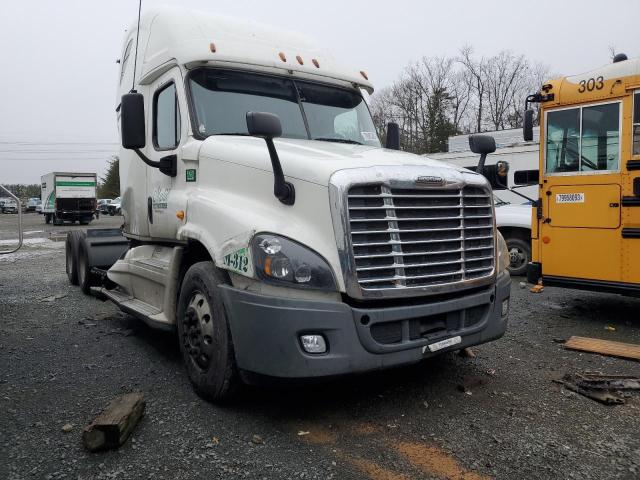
(570, 198)
(434, 347)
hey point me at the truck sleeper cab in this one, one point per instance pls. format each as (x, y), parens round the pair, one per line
(266, 224)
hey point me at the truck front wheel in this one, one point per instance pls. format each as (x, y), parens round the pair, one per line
(205, 338)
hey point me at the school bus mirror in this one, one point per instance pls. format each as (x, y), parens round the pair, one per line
(527, 126)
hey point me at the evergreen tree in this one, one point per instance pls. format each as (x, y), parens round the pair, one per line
(109, 186)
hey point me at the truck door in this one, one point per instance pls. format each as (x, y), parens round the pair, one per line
(581, 229)
(168, 132)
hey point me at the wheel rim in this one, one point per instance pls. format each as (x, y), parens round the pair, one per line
(517, 258)
(198, 331)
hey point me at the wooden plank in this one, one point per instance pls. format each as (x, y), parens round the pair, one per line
(604, 347)
(114, 425)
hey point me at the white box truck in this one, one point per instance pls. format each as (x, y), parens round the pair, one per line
(68, 197)
(264, 221)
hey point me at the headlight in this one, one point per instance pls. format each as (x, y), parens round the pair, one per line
(503, 254)
(283, 262)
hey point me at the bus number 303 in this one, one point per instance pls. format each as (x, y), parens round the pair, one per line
(591, 85)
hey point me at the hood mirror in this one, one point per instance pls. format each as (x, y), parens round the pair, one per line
(267, 126)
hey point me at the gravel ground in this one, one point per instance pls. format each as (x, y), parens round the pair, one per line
(64, 356)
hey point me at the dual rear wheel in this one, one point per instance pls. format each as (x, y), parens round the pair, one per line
(77, 261)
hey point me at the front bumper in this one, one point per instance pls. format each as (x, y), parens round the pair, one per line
(266, 331)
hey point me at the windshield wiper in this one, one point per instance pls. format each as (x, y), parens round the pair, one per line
(339, 140)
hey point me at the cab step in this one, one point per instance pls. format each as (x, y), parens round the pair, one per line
(149, 314)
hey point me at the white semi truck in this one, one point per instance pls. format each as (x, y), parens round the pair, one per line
(68, 197)
(263, 220)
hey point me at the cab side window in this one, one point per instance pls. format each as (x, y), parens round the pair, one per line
(636, 124)
(166, 118)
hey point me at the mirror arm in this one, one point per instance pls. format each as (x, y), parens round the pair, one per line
(480, 168)
(167, 165)
(283, 190)
(513, 190)
(146, 159)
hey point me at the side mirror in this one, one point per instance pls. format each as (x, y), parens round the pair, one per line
(267, 126)
(498, 175)
(393, 136)
(482, 144)
(263, 125)
(132, 121)
(526, 177)
(527, 126)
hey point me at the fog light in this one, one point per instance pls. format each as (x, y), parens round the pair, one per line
(505, 307)
(313, 343)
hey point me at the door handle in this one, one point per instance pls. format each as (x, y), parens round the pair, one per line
(614, 205)
(150, 209)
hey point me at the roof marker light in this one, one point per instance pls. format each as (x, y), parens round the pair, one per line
(315, 62)
(212, 47)
(282, 56)
(299, 58)
(364, 74)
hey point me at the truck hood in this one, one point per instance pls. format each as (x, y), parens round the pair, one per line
(309, 160)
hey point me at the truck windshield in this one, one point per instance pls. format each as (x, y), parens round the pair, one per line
(307, 110)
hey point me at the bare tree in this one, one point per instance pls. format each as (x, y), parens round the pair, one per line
(477, 78)
(506, 77)
(436, 97)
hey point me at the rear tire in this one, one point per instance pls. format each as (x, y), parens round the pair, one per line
(47, 218)
(86, 279)
(519, 255)
(204, 334)
(71, 253)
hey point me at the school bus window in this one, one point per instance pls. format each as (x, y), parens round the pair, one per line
(584, 139)
(563, 141)
(636, 123)
(600, 139)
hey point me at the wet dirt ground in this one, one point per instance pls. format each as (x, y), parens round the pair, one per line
(64, 356)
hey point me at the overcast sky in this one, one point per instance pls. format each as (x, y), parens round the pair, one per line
(58, 80)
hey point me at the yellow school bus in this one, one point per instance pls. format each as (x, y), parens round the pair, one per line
(586, 223)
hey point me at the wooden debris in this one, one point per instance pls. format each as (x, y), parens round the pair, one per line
(602, 388)
(604, 347)
(114, 425)
(536, 289)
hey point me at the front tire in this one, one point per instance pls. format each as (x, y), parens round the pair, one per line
(519, 256)
(204, 334)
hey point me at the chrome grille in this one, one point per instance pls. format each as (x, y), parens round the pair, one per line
(407, 237)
